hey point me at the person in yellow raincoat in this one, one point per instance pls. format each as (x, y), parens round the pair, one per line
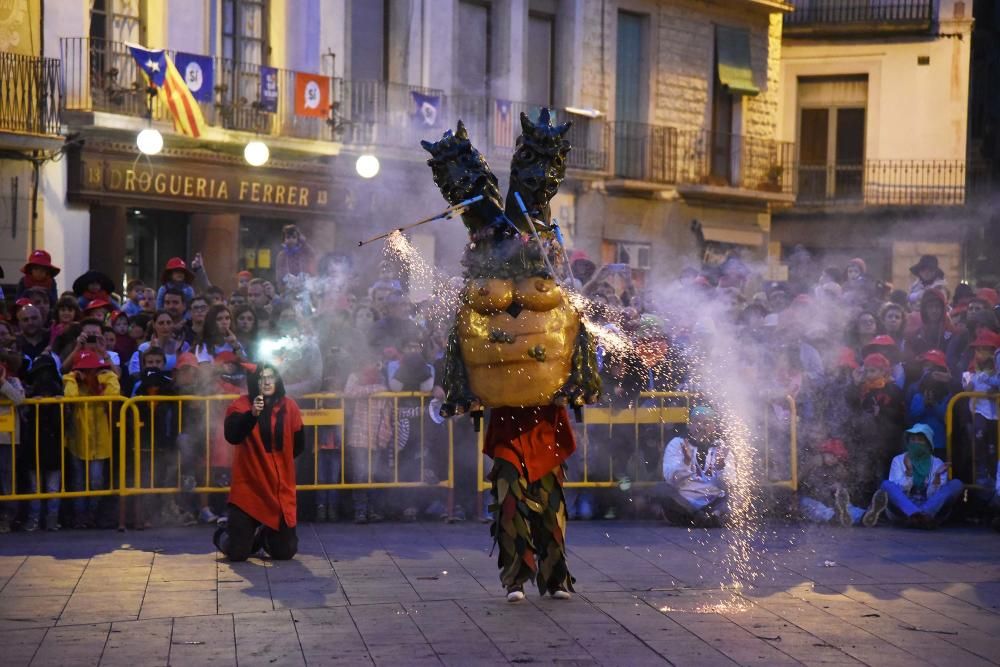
(90, 440)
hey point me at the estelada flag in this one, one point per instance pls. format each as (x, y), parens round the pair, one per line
(161, 75)
(312, 95)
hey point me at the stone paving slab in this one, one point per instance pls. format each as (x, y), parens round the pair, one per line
(394, 594)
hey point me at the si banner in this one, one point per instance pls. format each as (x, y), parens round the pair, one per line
(198, 73)
(312, 95)
(269, 89)
(425, 109)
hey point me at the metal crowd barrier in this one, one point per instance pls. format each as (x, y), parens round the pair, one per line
(78, 417)
(159, 441)
(667, 408)
(950, 433)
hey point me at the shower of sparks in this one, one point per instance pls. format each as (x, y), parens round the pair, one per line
(711, 375)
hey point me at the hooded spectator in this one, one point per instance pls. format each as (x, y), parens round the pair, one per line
(927, 276)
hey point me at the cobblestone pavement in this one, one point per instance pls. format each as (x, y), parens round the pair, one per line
(428, 594)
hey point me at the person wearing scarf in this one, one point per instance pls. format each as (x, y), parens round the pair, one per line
(918, 490)
(266, 428)
(694, 472)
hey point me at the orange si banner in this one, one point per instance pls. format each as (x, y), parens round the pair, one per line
(312, 95)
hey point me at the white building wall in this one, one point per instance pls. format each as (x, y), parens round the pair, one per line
(916, 112)
(64, 228)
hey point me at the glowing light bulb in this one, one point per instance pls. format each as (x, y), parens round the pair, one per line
(367, 166)
(149, 141)
(256, 153)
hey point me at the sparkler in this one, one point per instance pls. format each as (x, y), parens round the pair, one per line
(447, 214)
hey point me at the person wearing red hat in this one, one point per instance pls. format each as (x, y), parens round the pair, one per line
(266, 428)
(243, 279)
(878, 403)
(825, 486)
(176, 275)
(90, 441)
(889, 348)
(935, 329)
(39, 271)
(928, 397)
(983, 377)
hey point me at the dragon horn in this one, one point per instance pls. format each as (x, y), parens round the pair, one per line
(461, 132)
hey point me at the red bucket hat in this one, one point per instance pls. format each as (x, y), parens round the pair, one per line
(43, 259)
(882, 341)
(935, 357)
(836, 447)
(98, 303)
(87, 361)
(986, 338)
(877, 360)
(176, 264)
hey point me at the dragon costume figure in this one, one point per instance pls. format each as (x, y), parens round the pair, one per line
(519, 346)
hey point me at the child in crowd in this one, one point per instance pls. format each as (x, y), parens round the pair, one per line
(90, 442)
(243, 279)
(39, 271)
(824, 487)
(878, 405)
(918, 490)
(10, 390)
(176, 275)
(983, 377)
(93, 286)
(158, 437)
(122, 343)
(929, 396)
(369, 435)
(41, 433)
(134, 291)
(228, 376)
(67, 313)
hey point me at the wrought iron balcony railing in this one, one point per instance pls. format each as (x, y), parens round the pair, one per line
(103, 76)
(885, 183)
(29, 94)
(845, 16)
(494, 125)
(667, 155)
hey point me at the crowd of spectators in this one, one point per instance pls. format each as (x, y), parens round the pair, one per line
(865, 370)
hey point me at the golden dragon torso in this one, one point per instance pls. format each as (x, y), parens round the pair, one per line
(517, 339)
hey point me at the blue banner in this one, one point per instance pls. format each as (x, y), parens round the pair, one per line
(199, 75)
(426, 108)
(269, 89)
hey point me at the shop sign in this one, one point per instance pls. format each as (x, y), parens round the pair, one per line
(110, 179)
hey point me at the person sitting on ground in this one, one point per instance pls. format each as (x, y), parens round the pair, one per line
(918, 490)
(266, 428)
(694, 472)
(824, 487)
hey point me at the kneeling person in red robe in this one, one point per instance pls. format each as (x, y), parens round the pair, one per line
(267, 432)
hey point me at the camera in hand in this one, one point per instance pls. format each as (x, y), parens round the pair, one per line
(92, 338)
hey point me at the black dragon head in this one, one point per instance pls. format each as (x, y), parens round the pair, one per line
(538, 166)
(461, 172)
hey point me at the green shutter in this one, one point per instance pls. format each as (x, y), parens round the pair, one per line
(732, 53)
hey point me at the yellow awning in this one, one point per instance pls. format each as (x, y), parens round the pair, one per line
(732, 53)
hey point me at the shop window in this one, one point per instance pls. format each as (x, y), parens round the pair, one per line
(151, 238)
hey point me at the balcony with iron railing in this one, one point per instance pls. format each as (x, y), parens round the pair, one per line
(102, 77)
(888, 183)
(29, 94)
(661, 155)
(833, 17)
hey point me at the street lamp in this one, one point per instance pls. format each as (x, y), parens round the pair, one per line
(256, 153)
(149, 141)
(367, 166)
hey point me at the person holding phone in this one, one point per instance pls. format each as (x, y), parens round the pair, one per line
(91, 339)
(266, 428)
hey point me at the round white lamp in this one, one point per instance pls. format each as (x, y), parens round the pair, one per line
(367, 166)
(149, 141)
(256, 153)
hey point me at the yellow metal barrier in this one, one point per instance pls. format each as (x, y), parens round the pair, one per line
(82, 422)
(139, 447)
(949, 425)
(662, 414)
